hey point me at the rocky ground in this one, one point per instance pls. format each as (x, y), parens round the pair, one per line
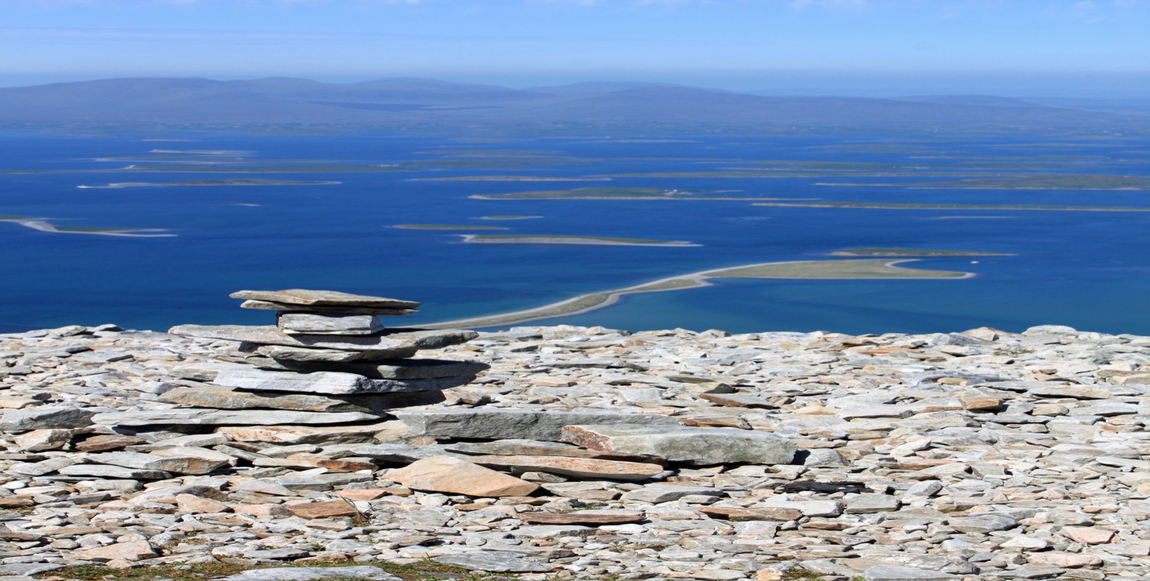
(591, 453)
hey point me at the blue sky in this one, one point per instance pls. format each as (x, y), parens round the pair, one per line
(1073, 48)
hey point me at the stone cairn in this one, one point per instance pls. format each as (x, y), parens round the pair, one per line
(332, 343)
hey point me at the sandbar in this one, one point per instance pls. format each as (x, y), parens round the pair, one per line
(917, 252)
(896, 206)
(445, 227)
(228, 182)
(510, 179)
(42, 226)
(808, 269)
(558, 239)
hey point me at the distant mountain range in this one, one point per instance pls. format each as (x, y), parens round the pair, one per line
(418, 102)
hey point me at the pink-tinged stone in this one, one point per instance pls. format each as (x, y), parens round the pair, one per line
(133, 551)
(454, 476)
(196, 505)
(329, 509)
(1088, 535)
(366, 494)
(261, 509)
(1064, 560)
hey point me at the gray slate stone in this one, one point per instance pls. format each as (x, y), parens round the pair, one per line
(403, 453)
(226, 398)
(693, 446)
(516, 424)
(229, 418)
(494, 562)
(396, 343)
(659, 493)
(45, 418)
(896, 573)
(379, 311)
(376, 368)
(294, 323)
(312, 573)
(106, 471)
(325, 382)
(307, 297)
(982, 524)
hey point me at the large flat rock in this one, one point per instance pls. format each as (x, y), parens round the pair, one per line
(227, 398)
(455, 476)
(573, 467)
(205, 417)
(306, 297)
(312, 573)
(325, 382)
(517, 424)
(396, 343)
(288, 435)
(494, 562)
(693, 446)
(184, 464)
(378, 311)
(331, 360)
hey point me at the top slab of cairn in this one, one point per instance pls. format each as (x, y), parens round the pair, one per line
(323, 301)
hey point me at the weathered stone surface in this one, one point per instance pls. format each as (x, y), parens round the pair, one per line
(195, 505)
(45, 418)
(176, 464)
(301, 434)
(737, 400)
(660, 493)
(225, 398)
(752, 514)
(274, 306)
(382, 368)
(307, 297)
(227, 417)
(983, 524)
(694, 446)
(324, 382)
(395, 343)
(130, 551)
(516, 447)
(294, 323)
(515, 424)
(41, 440)
(897, 573)
(330, 509)
(455, 476)
(871, 503)
(110, 471)
(494, 562)
(1088, 535)
(583, 517)
(574, 467)
(313, 573)
(108, 443)
(403, 453)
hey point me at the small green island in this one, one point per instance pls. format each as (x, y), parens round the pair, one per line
(562, 239)
(915, 252)
(8, 218)
(901, 206)
(228, 182)
(445, 227)
(508, 217)
(1030, 182)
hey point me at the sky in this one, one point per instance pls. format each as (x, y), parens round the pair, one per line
(1084, 48)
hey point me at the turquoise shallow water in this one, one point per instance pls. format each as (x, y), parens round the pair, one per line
(1090, 270)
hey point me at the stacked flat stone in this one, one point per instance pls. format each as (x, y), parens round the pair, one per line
(327, 342)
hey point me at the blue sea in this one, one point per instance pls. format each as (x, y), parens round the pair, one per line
(1089, 270)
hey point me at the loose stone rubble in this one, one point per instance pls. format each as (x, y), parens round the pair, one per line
(580, 452)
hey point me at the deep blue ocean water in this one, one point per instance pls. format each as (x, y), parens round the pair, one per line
(1090, 270)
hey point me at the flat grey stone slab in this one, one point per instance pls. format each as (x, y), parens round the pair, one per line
(306, 297)
(106, 471)
(694, 446)
(294, 323)
(285, 354)
(516, 424)
(45, 418)
(295, 359)
(312, 573)
(403, 453)
(227, 398)
(29, 568)
(324, 382)
(517, 447)
(494, 562)
(659, 493)
(229, 418)
(394, 342)
(176, 464)
(896, 573)
(378, 311)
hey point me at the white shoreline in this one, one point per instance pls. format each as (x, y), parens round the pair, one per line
(42, 226)
(701, 279)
